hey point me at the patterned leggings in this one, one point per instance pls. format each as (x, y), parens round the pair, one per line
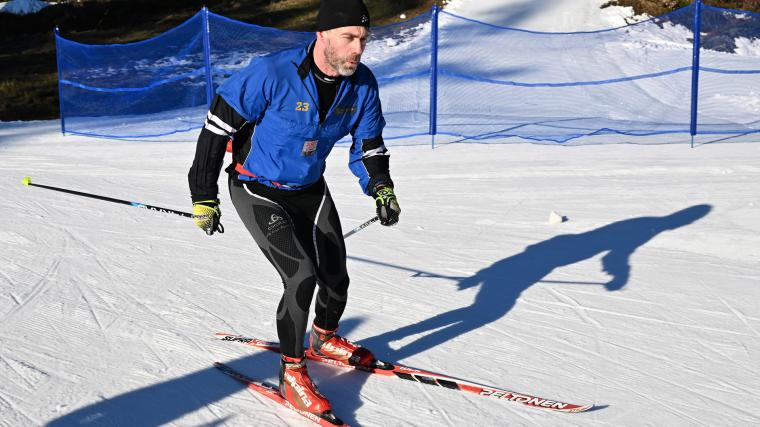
(300, 234)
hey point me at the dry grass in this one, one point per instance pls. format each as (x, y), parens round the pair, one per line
(27, 97)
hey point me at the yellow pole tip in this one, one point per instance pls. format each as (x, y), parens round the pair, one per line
(27, 180)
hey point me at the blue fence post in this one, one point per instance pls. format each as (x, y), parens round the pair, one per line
(57, 34)
(695, 67)
(434, 75)
(207, 58)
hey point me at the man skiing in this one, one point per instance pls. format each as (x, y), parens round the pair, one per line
(284, 112)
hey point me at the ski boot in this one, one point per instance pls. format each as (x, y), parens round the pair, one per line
(328, 344)
(298, 389)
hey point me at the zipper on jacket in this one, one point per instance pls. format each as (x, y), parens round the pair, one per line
(316, 104)
(341, 89)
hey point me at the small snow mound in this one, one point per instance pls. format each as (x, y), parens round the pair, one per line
(24, 7)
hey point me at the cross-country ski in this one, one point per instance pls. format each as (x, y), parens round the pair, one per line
(424, 377)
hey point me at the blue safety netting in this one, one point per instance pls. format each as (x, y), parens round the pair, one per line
(148, 88)
(233, 44)
(445, 74)
(400, 55)
(729, 77)
(501, 82)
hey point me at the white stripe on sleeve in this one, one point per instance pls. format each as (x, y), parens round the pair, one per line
(220, 123)
(210, 126)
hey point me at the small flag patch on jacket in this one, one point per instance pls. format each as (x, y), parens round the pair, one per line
(309, 147)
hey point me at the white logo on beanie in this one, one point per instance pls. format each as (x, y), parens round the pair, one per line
(365, 19)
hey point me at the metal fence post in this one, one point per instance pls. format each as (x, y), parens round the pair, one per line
(207, 57)
(695, 68)
(434, 75)
(57, 34)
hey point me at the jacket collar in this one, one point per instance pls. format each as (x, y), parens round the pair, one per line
(307, 62)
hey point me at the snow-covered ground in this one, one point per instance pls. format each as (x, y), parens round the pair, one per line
(545, 15)
(645, 302)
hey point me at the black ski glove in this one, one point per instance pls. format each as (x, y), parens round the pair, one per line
(387, 206)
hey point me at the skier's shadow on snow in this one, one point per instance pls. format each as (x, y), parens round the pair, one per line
(168, 401)
(501, 283)
(500, 286)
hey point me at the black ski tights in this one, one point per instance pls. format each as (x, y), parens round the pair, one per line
(299, 232)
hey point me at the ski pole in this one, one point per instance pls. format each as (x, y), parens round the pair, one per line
(361, 227)
(28, 182)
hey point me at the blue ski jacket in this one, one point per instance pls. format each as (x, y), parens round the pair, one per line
(289, 146)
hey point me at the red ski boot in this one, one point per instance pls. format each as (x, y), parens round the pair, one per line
(330, 345)
(298, 389)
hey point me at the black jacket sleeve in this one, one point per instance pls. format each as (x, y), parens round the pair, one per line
(222, 124)
(375, 158)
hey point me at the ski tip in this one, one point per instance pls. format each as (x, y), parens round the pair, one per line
(591, 408)
(27, 181)
(332, 419)
(584, 408)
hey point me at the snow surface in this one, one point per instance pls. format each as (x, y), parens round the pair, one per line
(645, 302)
(546, 15)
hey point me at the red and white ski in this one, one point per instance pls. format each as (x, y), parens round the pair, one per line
(270, 391)
(425, 377)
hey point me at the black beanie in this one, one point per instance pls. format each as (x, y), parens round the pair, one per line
(342, 13)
